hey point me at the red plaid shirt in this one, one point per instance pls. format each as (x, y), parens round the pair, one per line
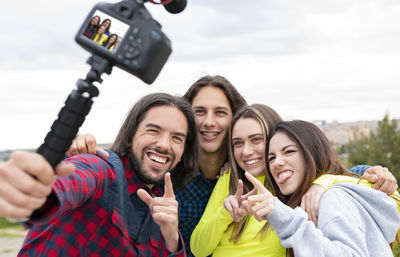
(99, 214)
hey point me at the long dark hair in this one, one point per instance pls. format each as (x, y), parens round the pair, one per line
(319, 156)
(107, 29)
(95, 25)
(122, 146)
(107, 44)
(268, 119)
(235, 99)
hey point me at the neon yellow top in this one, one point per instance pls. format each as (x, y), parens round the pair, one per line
(212, 237)
(327, 180)
(100, 38)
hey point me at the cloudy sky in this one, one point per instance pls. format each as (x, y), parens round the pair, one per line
(311, 60)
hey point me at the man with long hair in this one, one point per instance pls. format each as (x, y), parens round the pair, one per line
(214, 101)
(92, 205)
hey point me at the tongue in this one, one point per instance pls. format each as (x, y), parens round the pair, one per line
(282, 178)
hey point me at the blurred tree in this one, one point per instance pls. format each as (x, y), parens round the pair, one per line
(381, 147)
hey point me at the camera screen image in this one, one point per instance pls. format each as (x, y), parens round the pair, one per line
(126, 36)
(105, 30)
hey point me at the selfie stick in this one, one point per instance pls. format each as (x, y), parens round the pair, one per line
(72, 115)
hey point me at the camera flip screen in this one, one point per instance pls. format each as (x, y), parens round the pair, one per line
(127, 36)
(105, 30)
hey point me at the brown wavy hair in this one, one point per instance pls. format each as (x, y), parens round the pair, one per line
(268, 119)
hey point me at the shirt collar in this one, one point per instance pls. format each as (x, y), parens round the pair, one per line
(210, 181)
(134, 183)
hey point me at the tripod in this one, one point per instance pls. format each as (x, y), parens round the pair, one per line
(72, 115)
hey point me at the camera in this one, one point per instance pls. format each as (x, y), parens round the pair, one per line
(123, 35)
(127, 36)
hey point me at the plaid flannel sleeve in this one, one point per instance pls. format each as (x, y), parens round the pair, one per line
(91, 177)
(359, 169)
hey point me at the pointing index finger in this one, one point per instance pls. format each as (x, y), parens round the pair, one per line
(257, 184)
(168, 189)
(239, 190)
(145, 197)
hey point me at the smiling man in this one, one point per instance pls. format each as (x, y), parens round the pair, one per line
(214, 100)
(115, 206)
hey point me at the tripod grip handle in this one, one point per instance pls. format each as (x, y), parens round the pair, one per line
(65, 127)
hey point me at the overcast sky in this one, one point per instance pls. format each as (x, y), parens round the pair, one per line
(311, 60)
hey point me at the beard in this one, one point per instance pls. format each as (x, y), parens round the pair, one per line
(142, 173)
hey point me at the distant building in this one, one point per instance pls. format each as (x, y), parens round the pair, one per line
(341, 133)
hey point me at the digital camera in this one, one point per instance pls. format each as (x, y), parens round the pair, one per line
(127, 36)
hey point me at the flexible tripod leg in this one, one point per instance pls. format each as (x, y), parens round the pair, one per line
(72, 115)
(65, 128)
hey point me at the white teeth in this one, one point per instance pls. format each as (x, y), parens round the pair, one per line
(156, 158)
(210, 134)
(251, 161)
(285, 174)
